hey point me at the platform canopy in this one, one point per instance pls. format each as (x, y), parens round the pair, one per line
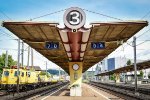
(75, 46)
(129, 68)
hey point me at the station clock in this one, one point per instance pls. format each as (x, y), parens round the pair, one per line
(75, 67)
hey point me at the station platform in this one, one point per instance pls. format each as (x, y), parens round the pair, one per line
(88, 93)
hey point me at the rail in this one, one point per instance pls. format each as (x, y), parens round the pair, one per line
(128, 90)
(22, 95)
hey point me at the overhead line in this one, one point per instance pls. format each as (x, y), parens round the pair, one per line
(10, 49)
(5, 15)
(146, 14)
(143, 33)
(6, 33)
(142, 42)
(102, 14)
(46, 14)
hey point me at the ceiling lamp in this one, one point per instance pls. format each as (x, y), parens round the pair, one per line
(83, 47)
(63, 35)
(81, 54)
(85, 36)
(81, 58)
(70, 59)
(69, 54)
(67, 47)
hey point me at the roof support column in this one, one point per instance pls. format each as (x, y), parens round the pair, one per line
(75, 69)
(117, 77)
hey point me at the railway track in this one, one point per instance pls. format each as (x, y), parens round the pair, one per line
(124, 90)
(32, 93)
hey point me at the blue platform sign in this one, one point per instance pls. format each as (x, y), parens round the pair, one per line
(98, 45)
(51, 45)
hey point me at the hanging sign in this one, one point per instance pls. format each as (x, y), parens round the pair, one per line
(74, 18)
(51, 45)
(98, 45)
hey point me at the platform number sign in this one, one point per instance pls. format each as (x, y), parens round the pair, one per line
(98, 45)
(51, 45)
(74, 18)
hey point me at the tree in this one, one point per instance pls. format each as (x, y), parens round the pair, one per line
(11, 62)
(112, 77)
(129, 62)
(44, 73)
(141, 73)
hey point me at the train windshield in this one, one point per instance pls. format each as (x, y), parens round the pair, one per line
(15, 74)
(6, 73)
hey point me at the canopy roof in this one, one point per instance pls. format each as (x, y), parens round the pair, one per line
(140, 66)
(37, 33)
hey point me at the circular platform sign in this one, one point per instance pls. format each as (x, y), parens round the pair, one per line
(74, 18)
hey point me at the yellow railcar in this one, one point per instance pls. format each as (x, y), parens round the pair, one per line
(28, 79)
(31, 77)
(9, 78)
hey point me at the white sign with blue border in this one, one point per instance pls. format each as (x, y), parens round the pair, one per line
(98, 45)
(51, 45)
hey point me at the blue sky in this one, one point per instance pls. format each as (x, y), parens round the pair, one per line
(21, 10)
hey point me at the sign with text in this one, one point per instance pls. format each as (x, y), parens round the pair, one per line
(74, 18)
(51, 45)
(98, 45)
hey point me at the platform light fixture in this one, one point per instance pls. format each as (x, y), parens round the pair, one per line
(67, 47)
(85, 36)
(83, 47)
(81, 58)
(64, 36)
(81, 54)
(69, 54)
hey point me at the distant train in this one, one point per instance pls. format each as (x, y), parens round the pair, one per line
(28, 78)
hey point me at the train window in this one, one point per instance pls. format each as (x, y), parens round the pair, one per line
(6, 73)
(22, 74)
(29, 74)
(15, 74)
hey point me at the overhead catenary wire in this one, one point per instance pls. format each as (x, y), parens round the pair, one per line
(5, 33)
(102, 14)
(146, 15)
(143, 33)
(46, 15)
(10, 49)
(5, 15)
(142, 42)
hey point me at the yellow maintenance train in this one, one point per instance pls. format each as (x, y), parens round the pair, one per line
(28, 78)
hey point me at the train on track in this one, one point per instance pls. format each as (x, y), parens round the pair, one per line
(27, 78)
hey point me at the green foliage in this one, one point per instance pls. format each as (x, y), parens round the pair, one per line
(129, 62)
(11, 62)
(141, 73)
(44, 73)
(112, 77)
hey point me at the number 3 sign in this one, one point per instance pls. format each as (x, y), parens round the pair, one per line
(74, 18)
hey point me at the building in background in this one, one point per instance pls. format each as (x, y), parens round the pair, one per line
(109, 64)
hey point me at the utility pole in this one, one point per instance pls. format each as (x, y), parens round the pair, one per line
(6, 59)
(46, 67)
(18, 65)
(32, 58)
(59, 73)
(28, 57)
(135, 67)
(92, 73)
(22, 53)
